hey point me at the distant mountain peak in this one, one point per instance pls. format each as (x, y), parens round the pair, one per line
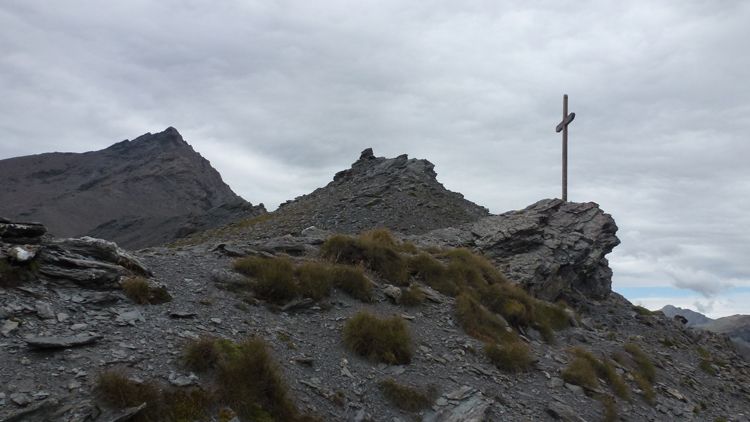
(693, 318)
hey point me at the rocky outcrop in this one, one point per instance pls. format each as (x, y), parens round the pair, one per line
(145, 192)
(87, 262)
(399, 193)
(550, 248)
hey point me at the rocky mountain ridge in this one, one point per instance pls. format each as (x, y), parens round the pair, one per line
(400, 194)
(693, 318)
(148, 191)
(59, 334)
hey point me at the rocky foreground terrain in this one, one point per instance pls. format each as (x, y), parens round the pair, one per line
(60, 333)
(145, 192)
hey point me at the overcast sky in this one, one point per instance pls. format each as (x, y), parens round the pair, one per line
(280, 95)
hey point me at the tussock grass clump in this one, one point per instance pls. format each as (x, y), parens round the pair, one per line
(706, 366)
(382, 339)
(645, 365)
(434, 273)
(186, 405)
(605, 370)
(376, 250)
(15, 274)
(610, 409)
(315, 279)
(481, 323)
(274, 277)
(642, 311)
(353, 281)
(464, 259)
(140, 291)
(201, 355)
(115, 389)
(647, 388)
(703, 352)
(249, 381)
(510, 301)
(407, 398)
(412, 296)
(581, 372)
(512, 357)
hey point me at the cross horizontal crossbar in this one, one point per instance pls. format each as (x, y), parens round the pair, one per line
(565, 122)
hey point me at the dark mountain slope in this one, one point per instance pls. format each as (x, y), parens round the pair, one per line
(138, 193)
(399, 193)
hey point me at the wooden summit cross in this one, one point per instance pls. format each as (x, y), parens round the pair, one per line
(563, 126)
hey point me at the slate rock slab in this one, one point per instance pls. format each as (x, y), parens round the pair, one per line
(61, 342)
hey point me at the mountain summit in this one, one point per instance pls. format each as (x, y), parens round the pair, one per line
(138, 193)
(400, 194)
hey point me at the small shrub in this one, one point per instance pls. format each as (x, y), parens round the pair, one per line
(706, 366)
(407, 398)
(481, 323)
(581, 372)
(353, 281)
(383, 339)
(412, 296)
(200, 355)
(512, 357)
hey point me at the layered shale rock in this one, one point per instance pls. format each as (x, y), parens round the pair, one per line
(399, 193)
(549, 247)
(148, 191)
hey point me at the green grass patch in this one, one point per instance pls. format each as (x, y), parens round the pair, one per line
(407, 398)
(434, 273)
(703, 353)
(511, 357)
(251, 222)
(381, 339)
(581, 372)
(647, 388)
(610, 408)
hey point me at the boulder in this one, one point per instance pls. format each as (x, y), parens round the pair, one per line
(10, 230)
(551, 248)
(88, 262)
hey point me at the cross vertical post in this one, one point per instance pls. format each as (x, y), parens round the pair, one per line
(563, 126)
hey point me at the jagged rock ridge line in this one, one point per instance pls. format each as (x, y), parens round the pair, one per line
(399, 193)
(148, 191)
